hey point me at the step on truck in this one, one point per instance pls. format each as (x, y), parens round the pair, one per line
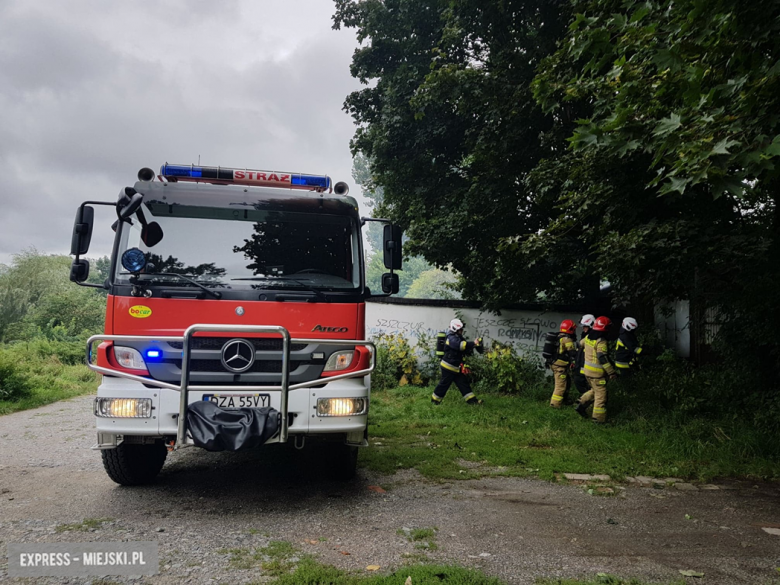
(235, 317)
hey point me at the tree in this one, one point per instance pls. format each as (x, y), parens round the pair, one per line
(37, 296)
(361, 172)
(685, 95)
(450, 126)
(375, 267)
(434, 283)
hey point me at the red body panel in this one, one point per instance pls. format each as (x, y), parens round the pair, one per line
(139, 316)
(173, 316)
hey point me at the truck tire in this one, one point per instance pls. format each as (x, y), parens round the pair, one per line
(343, 461)
(131, 464)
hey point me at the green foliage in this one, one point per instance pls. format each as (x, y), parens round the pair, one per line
(309, 572)
(14, 385)
(434, 283)
(449, 127)
(37, 299)
(43, 370)
(412, 269)
(396, 362)
(520, 435)
(501, 369)
(600, 579)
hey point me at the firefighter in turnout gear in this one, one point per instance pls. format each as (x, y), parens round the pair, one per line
(627, 349)
(452, 367)
(563, 362)
(597, 369)
(580, 381)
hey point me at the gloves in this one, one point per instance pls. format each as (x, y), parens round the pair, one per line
(478, 342)
(464, 369)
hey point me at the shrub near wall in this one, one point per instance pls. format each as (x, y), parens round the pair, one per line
(499, 369)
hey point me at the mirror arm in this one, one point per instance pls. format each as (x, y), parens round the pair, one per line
(90, 285)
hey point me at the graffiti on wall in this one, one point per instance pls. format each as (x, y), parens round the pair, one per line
(524, 331)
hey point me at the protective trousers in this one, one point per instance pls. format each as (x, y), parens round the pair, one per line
(580, 382)
(447, 378)
(562, 384)
(598, 395)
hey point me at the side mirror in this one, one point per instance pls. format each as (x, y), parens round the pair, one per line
(82, 230)
(393, 254)
(79, 270)
(125, 208)
(151, 234)
(390, 283)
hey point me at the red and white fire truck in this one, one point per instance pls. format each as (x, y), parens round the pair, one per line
(235, 316)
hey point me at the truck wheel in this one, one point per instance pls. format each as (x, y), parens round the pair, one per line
(131, 464)
(343, 461)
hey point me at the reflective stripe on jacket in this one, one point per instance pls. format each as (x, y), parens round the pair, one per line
(626, 349)
(596, 360)
(455, 347)
(566, 350)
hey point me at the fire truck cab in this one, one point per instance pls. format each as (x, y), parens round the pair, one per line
(235, 317)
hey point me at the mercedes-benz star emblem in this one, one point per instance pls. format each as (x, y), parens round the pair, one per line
(238, 355)
(239, 311)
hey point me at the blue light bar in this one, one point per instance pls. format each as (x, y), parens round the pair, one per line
(153, 353)
(245, 177)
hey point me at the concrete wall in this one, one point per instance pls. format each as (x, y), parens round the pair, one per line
(524, 329)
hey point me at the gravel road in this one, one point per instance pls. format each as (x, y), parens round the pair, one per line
(516, 529)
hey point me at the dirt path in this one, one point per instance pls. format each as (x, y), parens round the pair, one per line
(517, 529)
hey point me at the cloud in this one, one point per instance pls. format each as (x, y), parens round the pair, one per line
(91, 91)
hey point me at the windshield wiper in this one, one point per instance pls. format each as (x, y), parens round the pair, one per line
(213, 293)
(280, 280)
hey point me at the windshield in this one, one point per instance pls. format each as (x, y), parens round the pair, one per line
(245, 248)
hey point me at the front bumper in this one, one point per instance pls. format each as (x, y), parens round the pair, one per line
(296, 403)
(302, 408)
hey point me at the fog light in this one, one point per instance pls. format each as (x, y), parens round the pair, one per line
(123, 407)
(341, 406)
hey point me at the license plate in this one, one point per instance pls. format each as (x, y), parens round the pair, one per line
(239, 400)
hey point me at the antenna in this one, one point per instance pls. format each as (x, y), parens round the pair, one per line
(198, 160)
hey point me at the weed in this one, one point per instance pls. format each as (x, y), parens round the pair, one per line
(84, 525)
(309, 572)
(424, 538)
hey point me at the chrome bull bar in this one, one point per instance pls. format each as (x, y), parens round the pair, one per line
(184, 386)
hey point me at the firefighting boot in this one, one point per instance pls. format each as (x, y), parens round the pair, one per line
(474, 401)
(582, 410)
(435, 399)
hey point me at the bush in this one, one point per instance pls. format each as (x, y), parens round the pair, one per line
(396, 362)
(14, 384)
(502, 369)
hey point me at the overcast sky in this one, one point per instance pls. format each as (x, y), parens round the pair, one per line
(91, 91)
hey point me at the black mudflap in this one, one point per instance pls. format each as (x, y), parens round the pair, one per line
(216, 429)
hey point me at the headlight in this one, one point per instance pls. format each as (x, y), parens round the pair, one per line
(340, 360)
(129, 358)
(123, 407)
(341, 406)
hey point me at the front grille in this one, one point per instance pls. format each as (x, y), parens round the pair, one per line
(260, 366)
(216, 343)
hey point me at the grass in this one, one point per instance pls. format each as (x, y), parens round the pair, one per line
(517, 435)
(424, 538)
(309, 572)
(275, 559)
(83, 526)
(49, 372)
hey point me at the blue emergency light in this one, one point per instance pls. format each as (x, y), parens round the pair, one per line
(251, 177)
(153, 353)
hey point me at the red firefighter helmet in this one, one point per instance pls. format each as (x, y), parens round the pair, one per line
(601, 324)
(568, 326)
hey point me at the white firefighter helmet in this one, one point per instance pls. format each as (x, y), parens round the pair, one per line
(629, 324)
(456, 325)
(587, 320)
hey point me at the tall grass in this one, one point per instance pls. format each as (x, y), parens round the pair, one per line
(42, 371)
(522, 435)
